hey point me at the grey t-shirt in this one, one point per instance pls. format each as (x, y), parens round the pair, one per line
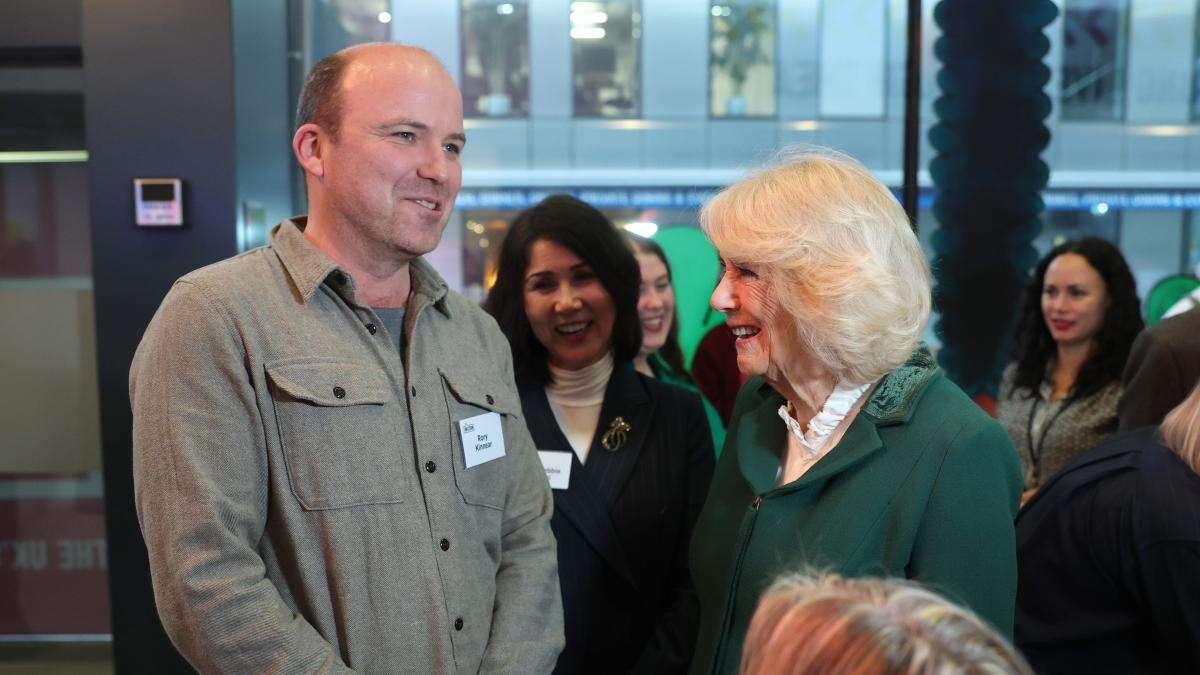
(393, 320)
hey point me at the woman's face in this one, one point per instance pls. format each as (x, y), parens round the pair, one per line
(1074, 299)
(656, 302)
(758, 324)
(568, 308)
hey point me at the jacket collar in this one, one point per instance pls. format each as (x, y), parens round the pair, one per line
(309, 267)
(594, 488)
(761, 437)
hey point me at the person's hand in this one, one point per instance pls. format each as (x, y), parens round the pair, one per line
(1027, 495)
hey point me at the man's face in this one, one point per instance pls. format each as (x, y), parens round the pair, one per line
(393, 172)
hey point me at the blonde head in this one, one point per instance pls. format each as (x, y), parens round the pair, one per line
(838, 254)
(815, 623)
(1181, 430)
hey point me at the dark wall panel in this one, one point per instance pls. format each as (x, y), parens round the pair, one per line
(158, 102)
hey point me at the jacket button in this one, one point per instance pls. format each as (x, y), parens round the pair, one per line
(413, 391)
(445, 544)
(371, 328)
(430, 466)
(338, 392)
(458, 624)
(490, 400)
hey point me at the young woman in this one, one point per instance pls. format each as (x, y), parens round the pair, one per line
(628, 456)
(660, 356)
(1059, 396)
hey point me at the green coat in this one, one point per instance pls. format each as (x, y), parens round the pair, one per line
(923, 485)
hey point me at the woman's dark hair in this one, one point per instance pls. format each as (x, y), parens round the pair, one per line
(670, 351)
(1034, 347)
(579, 227)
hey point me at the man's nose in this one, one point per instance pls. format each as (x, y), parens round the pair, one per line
(436, 165)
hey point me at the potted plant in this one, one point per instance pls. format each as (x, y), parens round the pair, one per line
(740, 31)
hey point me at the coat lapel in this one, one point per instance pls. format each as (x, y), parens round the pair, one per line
(586, 503)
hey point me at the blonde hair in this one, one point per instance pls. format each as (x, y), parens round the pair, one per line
(838, 255)
(1181, 430)
(823, 623)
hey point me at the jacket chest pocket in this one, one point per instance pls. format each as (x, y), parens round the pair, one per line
(340, 429)
(467, 397)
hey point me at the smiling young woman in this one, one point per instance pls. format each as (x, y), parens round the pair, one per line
(629, 456)
(661, 356)
(1079, 318)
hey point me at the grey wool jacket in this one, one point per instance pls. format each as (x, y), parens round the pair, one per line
(303, 486)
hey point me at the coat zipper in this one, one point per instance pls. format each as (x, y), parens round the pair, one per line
(735, 579)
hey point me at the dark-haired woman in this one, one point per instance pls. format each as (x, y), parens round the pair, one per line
(629, 457)
(1059, 396)
(660, 355)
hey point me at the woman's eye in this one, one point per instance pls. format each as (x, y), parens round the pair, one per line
(662, 286)
(746, 272)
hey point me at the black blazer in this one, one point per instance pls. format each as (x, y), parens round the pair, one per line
(624, 524)
(1109, 563)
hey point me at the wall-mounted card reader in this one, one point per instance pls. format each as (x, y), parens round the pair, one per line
(158, 202)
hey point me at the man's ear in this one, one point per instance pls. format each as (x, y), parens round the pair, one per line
(308, 145)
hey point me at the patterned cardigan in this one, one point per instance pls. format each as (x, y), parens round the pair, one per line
(1067, 428)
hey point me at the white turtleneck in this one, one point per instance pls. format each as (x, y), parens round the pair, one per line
(575, 398)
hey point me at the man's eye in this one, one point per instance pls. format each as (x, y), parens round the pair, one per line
(454, 149)
(406, 135)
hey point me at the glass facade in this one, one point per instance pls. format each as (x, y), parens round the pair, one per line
(1094, 54)
(606, 58)
(742, 58)
(495, 58)
(53, 557)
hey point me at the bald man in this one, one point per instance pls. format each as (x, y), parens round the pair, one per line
(332, 472)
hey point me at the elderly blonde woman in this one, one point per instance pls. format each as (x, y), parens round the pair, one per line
(824, 623)
(848, 449)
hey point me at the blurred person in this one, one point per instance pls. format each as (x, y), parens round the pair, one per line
(629, 457)
(849, 450)
(660, 355)
(824, 623)
(714, 368)
(309, 496)
(1109, 554)
(1078, 319)
(1163, 364)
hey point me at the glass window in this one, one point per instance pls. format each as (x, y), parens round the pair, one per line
(606, 56)
(335, 24)
(495, 58)
(741, 73)
(1061, 226)
(1093, 59)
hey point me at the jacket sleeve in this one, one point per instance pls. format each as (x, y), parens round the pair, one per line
(1152, 384)
(670, 647)
(200, 486)
(966, 544)
(527, 618)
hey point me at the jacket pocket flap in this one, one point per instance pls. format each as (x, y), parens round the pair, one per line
(469, 389)
(330, 383)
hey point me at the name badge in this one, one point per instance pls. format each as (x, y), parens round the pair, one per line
(558, 468)
(482, 439)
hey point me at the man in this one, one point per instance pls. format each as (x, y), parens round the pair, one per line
(331, 468)
(1163, 365)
